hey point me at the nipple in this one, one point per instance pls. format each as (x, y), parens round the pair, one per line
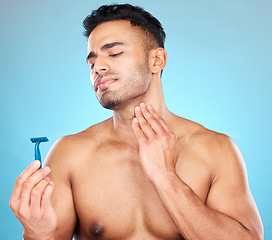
(97, 230)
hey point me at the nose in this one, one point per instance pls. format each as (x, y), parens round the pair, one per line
(101, 66)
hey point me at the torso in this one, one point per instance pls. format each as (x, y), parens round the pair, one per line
(112, 197)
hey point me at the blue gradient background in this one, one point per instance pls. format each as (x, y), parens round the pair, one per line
(218, 74)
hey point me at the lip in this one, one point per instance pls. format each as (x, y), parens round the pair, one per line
(104, 82)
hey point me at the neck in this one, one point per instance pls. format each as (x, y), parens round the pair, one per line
(123, 116)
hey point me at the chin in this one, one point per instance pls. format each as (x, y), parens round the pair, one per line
(114, 100)
(110, 105)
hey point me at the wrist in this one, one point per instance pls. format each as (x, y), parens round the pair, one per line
(27, 236)
(164, 178)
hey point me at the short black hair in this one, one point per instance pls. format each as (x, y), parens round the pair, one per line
(137, 16)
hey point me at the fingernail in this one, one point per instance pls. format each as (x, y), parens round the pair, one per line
(135, 119)
(149, 107)
(142, 105)
(36, 163)
(51, 184)
(138, 109)
(47, 169)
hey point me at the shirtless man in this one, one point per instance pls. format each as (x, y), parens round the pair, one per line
(145, 173)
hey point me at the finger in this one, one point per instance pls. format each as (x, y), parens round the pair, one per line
(137, 131)
(154, 123)
(143, 124)
(161, 121)
(16, 194)
(29, 184)
(36, 194)
(46, 197)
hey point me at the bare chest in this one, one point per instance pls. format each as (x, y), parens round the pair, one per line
(114, 200)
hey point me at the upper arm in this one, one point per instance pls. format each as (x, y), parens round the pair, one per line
(62, 198)
(230, 193)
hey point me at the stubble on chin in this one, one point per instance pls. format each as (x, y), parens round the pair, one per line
(109, 102)
(110, 105)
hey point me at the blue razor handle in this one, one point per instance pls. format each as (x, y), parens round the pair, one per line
(37, 142)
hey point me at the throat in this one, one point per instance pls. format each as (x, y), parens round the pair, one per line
(97, 230)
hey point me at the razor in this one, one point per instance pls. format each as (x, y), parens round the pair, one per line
(37, 142)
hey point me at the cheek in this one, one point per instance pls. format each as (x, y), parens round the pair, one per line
(140, 66)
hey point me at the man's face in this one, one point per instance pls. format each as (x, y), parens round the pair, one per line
(118, 63)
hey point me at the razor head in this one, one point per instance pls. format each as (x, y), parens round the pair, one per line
(39, 139)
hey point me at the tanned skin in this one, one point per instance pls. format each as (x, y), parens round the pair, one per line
(145, 173)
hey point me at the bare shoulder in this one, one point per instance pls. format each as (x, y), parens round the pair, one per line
(217, 147)
(216, 151)
(72, 149)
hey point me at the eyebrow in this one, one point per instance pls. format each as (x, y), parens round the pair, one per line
(103, 48)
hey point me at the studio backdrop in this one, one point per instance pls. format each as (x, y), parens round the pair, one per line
(218, 74)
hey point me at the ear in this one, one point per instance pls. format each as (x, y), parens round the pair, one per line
(157, 59)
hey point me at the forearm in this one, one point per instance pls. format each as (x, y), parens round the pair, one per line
(192, 217)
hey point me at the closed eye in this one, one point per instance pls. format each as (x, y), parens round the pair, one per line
(91, 65)
(116, 54)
